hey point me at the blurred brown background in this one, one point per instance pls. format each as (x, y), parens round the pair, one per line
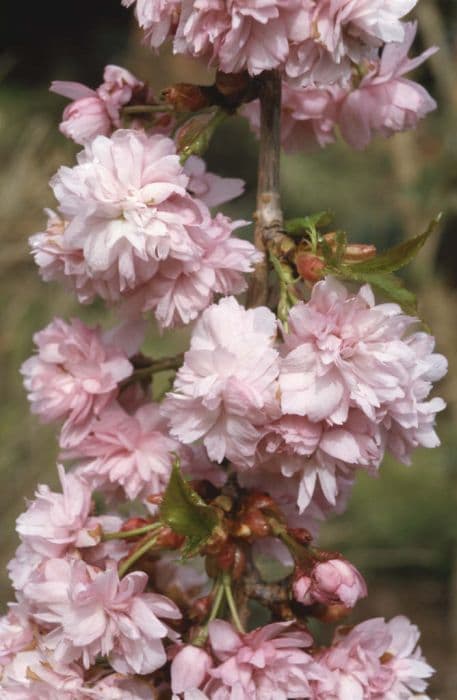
(400, 529)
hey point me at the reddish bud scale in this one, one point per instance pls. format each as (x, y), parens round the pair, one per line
(310, 267)
(135, 524)
(185, 97)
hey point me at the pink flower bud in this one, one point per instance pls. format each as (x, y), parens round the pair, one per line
(84, 119)
(330, 582)
(189, 668)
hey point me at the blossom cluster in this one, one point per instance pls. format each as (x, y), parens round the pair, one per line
(299, 414)
(126, 579)
(343, 62)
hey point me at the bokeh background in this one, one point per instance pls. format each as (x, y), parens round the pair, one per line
(401, 529)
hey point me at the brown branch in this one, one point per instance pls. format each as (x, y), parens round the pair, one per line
(268, 216)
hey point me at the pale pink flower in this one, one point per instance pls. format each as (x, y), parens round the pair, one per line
(266, 663)
(55, 521)
(91, 612)
(226, 390)
(16, 633)
(385, 102)
(127, 207)
(156, 17)
(241, 35)
(212, 189)
(76, 373)
(308, 116)
(96, 112)
(134, 452)
(330, 582)
(189, 668)
(374, 659)
(327, 36)
(344, 351)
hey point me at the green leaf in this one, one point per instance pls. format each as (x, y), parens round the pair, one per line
(186, 513)
(303, 224)
(400, 255)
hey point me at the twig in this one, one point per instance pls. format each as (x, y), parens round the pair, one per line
(268, 216)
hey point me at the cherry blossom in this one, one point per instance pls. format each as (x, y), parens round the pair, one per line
(76, 373)
(375, 659)
(226, 389)
(96, 112)
(385, 101)
(133, 452)
(329, 582)
(54, 521)
(92, 612)
(268, 662)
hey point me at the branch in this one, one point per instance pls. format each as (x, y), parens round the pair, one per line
(268, 216)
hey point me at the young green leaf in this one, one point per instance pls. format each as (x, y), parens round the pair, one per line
(400, 255)
(303, 224)
(186, 513)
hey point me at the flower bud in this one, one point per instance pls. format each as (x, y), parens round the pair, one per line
(331, 582)
(309, 266)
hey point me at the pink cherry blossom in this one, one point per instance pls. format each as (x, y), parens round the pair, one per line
(385, 101)
(345, 351)
(326, 36)
(91, 612)
(133, 452)
(226, 389)
(212, 189)
(308, 116)
(189, 668)
(240, 35)
(96, 112)
(266, 663)
(127, 206)
(54, 521)
(375, 659)
(329, 582)
(75, 374)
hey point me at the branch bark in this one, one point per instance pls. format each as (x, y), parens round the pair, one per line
(268, 216)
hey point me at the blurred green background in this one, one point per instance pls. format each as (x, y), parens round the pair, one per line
(401, 529)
